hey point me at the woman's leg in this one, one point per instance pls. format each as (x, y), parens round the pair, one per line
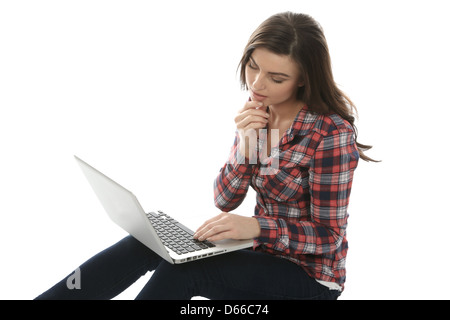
(244, 274)
(109, 272)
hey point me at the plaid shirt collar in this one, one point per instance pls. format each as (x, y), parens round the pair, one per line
(303, 124)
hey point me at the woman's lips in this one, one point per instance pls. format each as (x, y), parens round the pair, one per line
(258, 97)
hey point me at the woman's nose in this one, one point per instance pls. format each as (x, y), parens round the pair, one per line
(258, 83)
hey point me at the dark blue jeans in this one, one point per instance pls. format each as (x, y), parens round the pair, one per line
(243, 274)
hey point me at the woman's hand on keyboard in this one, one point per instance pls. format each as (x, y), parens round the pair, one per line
(228, 226)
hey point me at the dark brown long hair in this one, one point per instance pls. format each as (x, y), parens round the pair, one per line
(301, 37)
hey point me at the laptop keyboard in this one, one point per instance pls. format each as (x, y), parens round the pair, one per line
(174, 235)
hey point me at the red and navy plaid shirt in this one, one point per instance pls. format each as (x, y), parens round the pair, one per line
(302, 206)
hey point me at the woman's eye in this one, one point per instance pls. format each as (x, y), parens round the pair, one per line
(277, 81)
(251, 66)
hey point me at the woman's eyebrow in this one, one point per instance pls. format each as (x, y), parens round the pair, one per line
(272, 73)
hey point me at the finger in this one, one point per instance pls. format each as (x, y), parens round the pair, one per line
(213, 232)
(217, 223)
(253, 123)
(213, 219)
(248, 117)
(204, 227)
(221, 236)
(252, 105)
(251, 113)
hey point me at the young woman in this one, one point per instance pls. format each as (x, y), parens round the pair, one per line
(301, 165)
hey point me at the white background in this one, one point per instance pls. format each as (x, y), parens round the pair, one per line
(146, 91)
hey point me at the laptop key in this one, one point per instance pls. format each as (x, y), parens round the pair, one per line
(184, 228)
(195, 247)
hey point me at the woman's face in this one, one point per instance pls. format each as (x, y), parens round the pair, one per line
(271, 78)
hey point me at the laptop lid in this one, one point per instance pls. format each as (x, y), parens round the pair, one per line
(124, 209)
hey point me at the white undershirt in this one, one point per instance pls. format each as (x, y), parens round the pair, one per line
(330, 285)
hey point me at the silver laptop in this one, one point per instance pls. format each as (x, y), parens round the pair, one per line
(164, 235)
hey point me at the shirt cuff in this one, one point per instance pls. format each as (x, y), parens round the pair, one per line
(269, 230)
(274, 233)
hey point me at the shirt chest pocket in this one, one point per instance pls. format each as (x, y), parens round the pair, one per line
(284, 186)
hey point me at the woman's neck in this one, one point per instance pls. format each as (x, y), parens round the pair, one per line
(281, 114)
